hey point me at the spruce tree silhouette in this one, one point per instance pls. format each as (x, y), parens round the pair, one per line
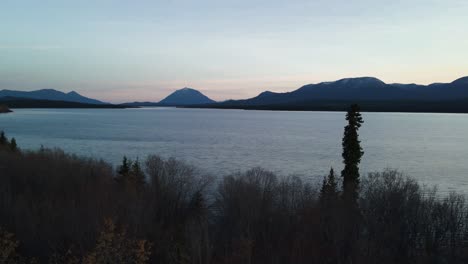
(13, 145)
(124, 169)
(137, 175)
(352, 154)
(351, 215)
(329, 190)
(328, 202)
(3, 139)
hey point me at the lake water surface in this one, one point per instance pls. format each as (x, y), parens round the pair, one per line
(433, 148)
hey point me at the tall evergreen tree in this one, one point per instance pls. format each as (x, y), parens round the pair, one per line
(352, 154)
(329, 202)
(3, 139)
(13, 145)
(329, 190)
(131, 176)
(137, 174)
(350, 218)
(124, 169)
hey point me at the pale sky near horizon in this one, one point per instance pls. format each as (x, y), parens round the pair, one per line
(142, 50)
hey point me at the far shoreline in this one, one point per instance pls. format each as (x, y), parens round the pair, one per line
(430, 107)
(252, 109)
(4, 109)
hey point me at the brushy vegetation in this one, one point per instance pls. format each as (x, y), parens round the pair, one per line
(60, 208)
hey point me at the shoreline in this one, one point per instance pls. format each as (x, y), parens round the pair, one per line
(449, 107)
(5, 110)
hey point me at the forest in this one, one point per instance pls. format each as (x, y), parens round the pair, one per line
(57, 207)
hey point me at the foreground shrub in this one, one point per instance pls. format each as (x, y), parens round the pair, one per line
(260, 219)
(114, 246)
(8, 246)
(404, 223)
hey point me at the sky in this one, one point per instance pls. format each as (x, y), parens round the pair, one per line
(120, 51)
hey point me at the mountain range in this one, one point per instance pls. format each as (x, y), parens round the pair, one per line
(360, 89)
(49, 94)
(57, 99)
(371, 93)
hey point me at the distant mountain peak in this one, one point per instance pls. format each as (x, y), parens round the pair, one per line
(187, 90)
(462, 80)
(48, 90)
(361, 80)
(186, 96)
(267, 92)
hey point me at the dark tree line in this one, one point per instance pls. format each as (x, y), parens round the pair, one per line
(60, 208)
(7, 144)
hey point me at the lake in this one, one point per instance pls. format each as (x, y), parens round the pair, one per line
(433, 148)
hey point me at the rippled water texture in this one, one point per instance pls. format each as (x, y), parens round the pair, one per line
(433, 148)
